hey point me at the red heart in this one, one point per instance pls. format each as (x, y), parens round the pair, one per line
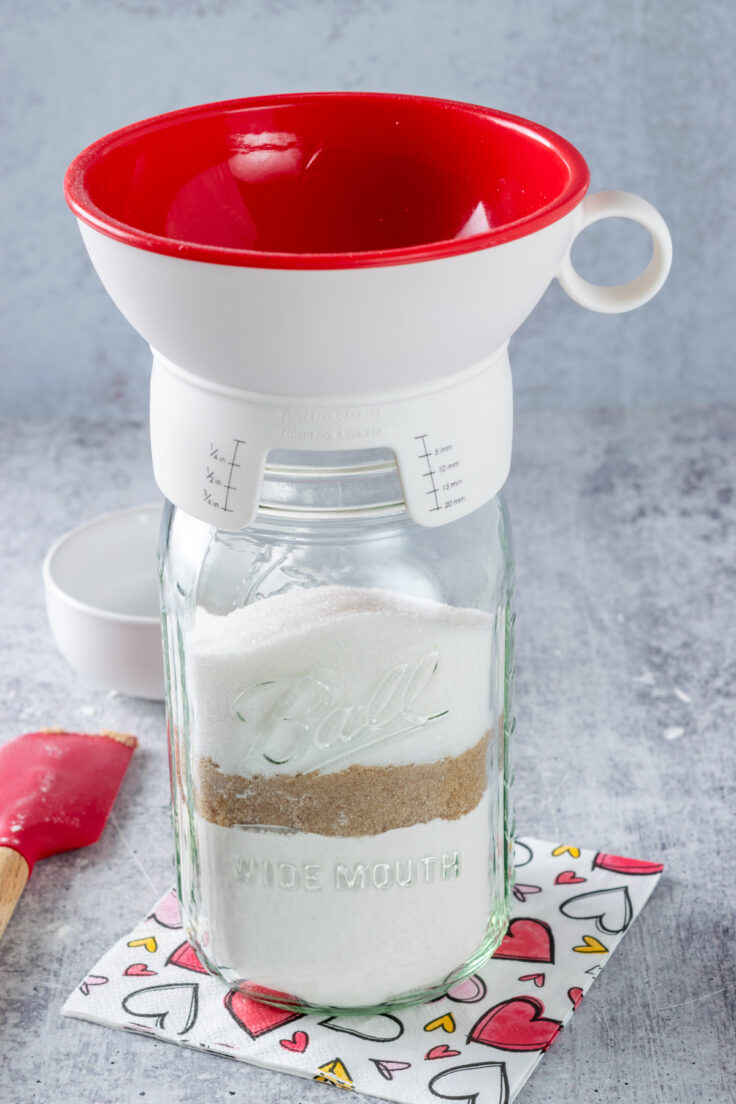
(568, 877)
(516, 1024)
(186, 957)
(527, 940)
(139, 969)
(442, 1051)
(576, 995)
(621, 865)
(298, 1042)
(256, 1018)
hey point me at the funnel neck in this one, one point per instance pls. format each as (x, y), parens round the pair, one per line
(451, 440)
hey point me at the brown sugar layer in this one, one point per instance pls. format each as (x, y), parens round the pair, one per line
(357, 801)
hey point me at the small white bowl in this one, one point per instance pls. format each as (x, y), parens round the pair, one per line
(102, 600)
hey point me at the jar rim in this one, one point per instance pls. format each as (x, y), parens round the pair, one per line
(389, 502)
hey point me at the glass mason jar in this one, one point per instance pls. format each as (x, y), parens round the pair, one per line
(339, 708)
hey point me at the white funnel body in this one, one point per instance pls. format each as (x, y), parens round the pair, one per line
(331, 332)
(409, 357)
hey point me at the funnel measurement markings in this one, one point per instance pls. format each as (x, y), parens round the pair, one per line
(430, 472)
(439, 462)
(220, 475)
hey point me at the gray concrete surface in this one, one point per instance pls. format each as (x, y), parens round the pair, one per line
(644, 88)
(626, 548)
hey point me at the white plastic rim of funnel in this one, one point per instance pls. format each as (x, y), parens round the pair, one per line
(628, 296)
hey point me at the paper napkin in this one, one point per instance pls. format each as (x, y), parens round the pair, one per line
(480, 1042)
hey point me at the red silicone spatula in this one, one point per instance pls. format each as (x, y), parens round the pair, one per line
(56, 791)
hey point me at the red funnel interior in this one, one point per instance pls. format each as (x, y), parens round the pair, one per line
(326, 180)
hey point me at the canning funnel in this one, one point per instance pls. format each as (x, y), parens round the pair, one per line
(332, 271)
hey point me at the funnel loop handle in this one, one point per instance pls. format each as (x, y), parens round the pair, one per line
(622, 297)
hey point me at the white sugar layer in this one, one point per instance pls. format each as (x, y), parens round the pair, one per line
(324, 677)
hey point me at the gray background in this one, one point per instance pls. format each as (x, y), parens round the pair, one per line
(644, 88)
(625, 519)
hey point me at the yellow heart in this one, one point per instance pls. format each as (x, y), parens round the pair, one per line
(447, 1023)
(334, 1073)
(566, 849)
(150, 944)
(592, 946)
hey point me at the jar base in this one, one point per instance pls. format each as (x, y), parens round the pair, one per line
(497, 926)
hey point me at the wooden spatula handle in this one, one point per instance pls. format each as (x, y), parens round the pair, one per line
(13, 877)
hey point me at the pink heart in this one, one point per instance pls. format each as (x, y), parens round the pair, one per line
(167, 912)
(568, 877)
(538, 979)
(139, 969)
(521, 892)
(442, 1051)
(92, 979)
(388, 1069)
(468, 991)
(298, 1042)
